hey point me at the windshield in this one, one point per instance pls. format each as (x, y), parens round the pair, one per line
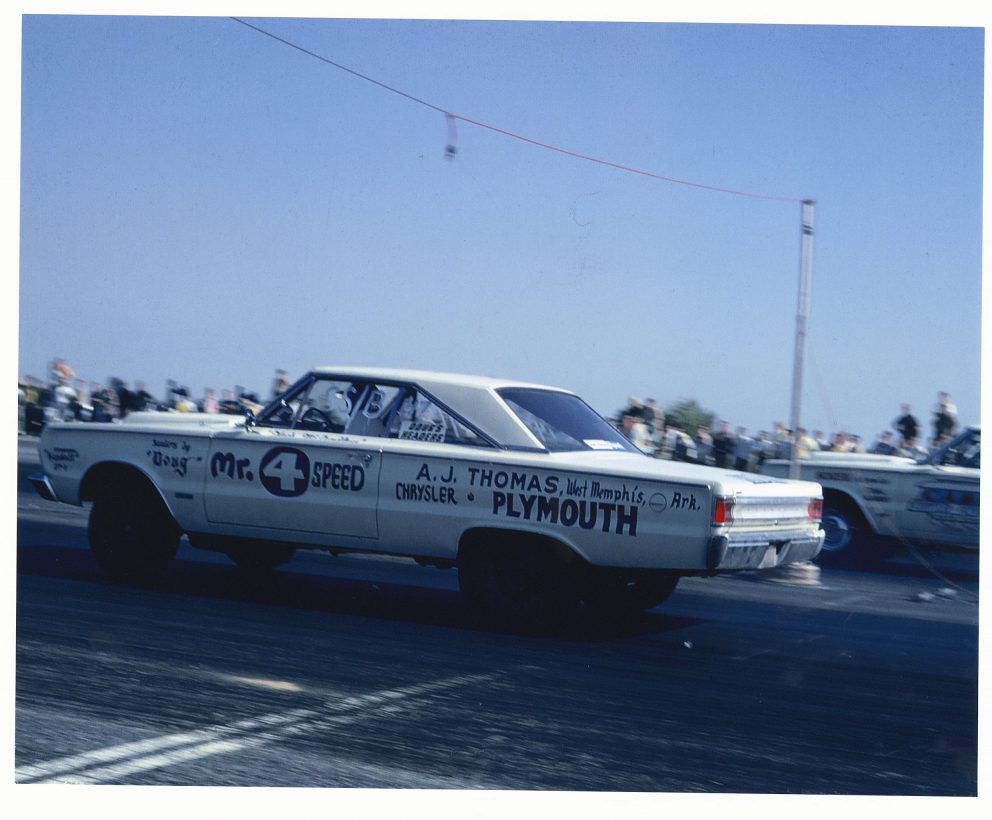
(563, 422)
(963, 451)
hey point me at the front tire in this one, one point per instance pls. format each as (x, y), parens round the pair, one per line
(260, 558)
(133, 537)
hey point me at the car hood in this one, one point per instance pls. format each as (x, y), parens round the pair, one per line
(174, 420)
(851, 460)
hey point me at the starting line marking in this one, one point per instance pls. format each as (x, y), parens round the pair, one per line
(182, 747)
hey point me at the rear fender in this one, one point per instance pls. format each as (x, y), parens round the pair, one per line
(842, 498)
(477, 536)
(113, 479)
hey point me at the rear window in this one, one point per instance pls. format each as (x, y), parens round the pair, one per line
(563, 422)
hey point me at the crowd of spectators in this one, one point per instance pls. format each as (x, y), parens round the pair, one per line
(65, 397)
(659, 434)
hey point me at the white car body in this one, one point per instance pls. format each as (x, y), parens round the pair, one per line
(388, 481)
(934, 501)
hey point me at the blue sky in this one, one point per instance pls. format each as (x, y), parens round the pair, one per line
(202, 203)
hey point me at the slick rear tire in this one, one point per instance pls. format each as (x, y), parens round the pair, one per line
(521, 582)
(132, 536)
(629, 590)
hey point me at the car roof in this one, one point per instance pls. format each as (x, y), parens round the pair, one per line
(428, 377)
(474, 398)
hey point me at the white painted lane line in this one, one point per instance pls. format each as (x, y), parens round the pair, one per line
(183, 747)
(263, 683)
(140, 747)
(157, 761)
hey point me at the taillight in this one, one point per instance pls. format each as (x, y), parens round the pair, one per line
(723, 511)
(815, 509)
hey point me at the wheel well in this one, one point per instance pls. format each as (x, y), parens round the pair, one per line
(842, 501)
(112, 480)
(484, 538)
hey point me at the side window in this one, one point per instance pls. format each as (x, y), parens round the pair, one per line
(366, 409)
(283, 412)
(329, 406)
(324, 406)
(550, 436)
(375, 410)
(419, 419)
(966, 451)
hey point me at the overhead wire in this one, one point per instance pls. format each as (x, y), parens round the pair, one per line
(451, 117)
(351, 71)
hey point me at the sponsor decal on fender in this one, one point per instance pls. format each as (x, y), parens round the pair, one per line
(568, 512)
(287, 472)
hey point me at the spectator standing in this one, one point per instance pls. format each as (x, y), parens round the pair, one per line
(654, 419)
(679, 446)
(124, 396)
(884, 445)
(209, 403)
(102, 405)
(906, 425)
(666, 443)
(59, 372)
(807, 444)
(229, 403)
(637, 432)
(82, 407)
(723, 446)
(141, 399)
(743, 450)
(65, 400)
(783, 441)
(944, 418)
(185, 404)
(704, 445)
(764, 448)
(840, 443)
(280, 384)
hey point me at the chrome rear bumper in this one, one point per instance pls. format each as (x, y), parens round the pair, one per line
(762, 550)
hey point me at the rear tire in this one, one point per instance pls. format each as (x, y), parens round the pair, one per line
(629, 590)
(132, 536)
(523, 581)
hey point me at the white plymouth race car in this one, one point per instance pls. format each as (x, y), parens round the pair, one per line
(539, 502)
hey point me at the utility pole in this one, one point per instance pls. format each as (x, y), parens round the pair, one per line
(802, 318)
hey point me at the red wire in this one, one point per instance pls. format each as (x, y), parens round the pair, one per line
(451, 148)
(624, 167)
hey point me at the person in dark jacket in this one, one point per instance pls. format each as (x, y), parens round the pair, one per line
(724, 446)
(906, 425)
(944, 418)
